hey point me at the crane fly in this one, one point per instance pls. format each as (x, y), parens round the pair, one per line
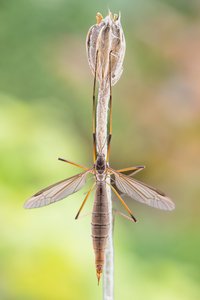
(120, 184)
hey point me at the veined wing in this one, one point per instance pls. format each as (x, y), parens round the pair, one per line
(142, 192)
(57, 191)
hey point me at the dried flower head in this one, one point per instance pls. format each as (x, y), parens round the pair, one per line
(105, 45)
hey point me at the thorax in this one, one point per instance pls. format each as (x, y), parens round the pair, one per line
(100, 167)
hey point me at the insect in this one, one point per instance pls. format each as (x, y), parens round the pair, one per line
(120, 184)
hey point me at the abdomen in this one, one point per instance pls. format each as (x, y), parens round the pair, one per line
(100, 226)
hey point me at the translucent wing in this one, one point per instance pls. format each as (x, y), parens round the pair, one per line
(142, 192)
(57, 191)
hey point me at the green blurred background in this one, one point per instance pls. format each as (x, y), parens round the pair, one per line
(45, 112)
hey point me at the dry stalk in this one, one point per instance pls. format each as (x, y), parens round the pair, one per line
(105, 47)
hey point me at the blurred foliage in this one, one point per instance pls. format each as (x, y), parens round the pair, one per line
(45, 112)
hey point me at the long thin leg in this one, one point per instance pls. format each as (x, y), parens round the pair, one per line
(117, 212)
(110, 106)
(73, 163)
(134, 169)
(123, 203)
(84, 201)
(94, 112)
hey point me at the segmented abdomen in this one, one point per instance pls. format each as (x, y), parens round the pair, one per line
(100, 225)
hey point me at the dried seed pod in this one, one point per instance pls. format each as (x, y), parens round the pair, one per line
(105, 42)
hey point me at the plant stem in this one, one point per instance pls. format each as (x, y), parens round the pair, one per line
(101, 130)
(105, 46)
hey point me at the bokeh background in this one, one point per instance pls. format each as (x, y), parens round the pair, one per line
(45, 112)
